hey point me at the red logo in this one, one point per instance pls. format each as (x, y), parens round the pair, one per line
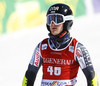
(78, 53)
(36, 62)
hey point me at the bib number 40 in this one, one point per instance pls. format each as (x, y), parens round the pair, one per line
(55, 70)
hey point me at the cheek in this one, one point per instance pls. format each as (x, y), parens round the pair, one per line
(50, 28)
(61, 27)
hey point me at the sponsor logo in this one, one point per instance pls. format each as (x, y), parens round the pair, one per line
(78, 53)
(71, 49)
(56, 53)
(54, 83)
(65, 10)
(58, 61)
(80, 58)
(44, 46)
(58, 82)
(36, 62)
(54, 8)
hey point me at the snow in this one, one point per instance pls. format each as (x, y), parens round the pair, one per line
(16, 49)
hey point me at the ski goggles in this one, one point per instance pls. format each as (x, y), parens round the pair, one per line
(58, 18)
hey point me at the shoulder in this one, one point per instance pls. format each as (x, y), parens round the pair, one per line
(44, 41)
(78, 44)
(73, 41)
(79, 49)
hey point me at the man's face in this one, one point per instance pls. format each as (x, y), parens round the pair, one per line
(56, 29)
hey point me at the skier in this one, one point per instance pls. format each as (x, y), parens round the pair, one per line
(60, 55)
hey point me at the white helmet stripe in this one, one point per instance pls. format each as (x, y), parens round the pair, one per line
(70, 17)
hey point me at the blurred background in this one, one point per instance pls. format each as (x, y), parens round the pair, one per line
(22, 27)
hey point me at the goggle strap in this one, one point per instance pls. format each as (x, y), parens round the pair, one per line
(70, 17)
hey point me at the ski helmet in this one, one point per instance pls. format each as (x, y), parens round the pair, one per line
(64, 10)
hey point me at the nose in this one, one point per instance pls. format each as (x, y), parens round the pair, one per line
(52, 23)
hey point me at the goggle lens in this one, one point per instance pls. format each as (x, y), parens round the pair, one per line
(57, 19)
